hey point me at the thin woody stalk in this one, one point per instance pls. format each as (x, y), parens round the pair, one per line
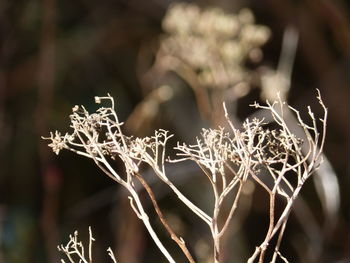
(227, 159)
(180, 242)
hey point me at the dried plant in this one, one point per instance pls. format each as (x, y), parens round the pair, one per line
(271, 158)
(75, 251)
(209, 49)
(212, 43)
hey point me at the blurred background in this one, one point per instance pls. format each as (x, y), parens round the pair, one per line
(57, 54)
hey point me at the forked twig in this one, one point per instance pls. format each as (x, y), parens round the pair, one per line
(229, 159)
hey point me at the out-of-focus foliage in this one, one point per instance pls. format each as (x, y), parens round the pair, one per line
(213, 43)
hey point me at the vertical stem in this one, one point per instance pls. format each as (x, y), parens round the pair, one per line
(144, 217)
(271, 226)
(172, 234)
(214, 227)
(91, 239)
(275, 254)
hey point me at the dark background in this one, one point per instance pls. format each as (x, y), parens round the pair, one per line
(55, 54)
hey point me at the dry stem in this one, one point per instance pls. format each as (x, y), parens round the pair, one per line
(270, 158)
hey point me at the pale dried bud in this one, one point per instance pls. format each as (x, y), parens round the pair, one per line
(97, 100)
(75, 108)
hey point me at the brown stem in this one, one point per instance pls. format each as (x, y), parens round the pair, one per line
(180, 242)
(279, 240)
(271, 226)
(233, 209)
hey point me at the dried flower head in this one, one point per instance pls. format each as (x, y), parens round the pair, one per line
(213, 43)
(274, 159)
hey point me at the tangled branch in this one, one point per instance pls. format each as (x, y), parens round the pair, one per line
(272, 158)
